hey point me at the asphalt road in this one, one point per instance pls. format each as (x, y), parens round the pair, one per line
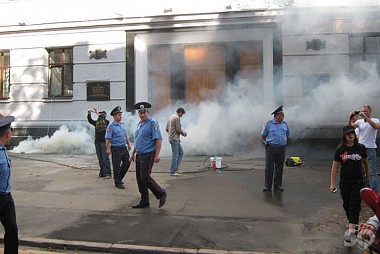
(60, 197)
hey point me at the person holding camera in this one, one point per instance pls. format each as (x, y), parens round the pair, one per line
(100, 125)
(367, 131)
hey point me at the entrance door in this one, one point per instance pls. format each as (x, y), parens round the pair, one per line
(204, 71)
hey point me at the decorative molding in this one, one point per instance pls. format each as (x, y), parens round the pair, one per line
(315, 44)
(98, 54)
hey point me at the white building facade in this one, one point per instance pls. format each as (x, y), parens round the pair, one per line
(54, 68)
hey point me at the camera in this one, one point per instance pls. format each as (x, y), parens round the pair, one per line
(356, 112)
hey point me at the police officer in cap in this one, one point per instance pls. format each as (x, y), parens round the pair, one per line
(275, 134)
(118, 145)
(148, 141)
(7, 206)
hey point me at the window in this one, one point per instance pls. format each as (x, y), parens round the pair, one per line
(61, 72)
(363, 48)
(311, 82)
(4, 75)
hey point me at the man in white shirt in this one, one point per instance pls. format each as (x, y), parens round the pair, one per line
(368, 127)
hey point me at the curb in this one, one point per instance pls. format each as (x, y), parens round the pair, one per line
(119, 248)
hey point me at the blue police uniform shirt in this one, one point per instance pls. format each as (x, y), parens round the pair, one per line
(117, 134)
(146, 134)
(276, 133)
(5, 171)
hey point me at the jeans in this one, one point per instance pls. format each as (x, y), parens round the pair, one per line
(372, 157)
(177, 154)
(103, 158)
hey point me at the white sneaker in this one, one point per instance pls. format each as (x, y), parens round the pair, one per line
(175, 174)
(349, 238)
(179, 172)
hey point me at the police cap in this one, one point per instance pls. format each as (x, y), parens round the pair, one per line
(142, 106)
(5, 122)
(116, 110)
(278, 110)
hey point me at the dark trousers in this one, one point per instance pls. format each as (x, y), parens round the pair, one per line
(274, 165)
(144, 165)
(120, 163)
(8, 219)
(350, 193)
(103, 158)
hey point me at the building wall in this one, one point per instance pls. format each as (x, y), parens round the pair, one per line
(29, 75)
(312, 44)
(316, 44)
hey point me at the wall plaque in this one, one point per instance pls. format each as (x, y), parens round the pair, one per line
(98, 91)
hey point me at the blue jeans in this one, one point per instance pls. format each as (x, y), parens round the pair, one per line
(372, 157)
(177, 154)
(103, 158)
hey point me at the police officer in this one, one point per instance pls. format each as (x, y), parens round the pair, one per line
(100, 144)
(148, 141)
(118, 145)
(7, 206)
(275, 134)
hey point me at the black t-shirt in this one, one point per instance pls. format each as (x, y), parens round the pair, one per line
(100, 127)
(350, 159)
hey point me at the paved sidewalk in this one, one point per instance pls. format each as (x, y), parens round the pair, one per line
(59, 200)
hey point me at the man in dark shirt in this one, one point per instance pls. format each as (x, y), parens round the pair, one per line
(100, 144)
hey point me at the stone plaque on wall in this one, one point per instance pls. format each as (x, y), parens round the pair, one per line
(98, 91)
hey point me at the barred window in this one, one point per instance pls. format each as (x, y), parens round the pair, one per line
(61, 72)
(363, 49)
(4, 75)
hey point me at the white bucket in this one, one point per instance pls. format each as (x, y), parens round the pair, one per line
(213, 162)
(218, 162)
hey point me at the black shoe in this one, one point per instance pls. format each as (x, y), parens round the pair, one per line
(279, 189)
(162, 200)
(141, 205)
(266, 189)
(120, 186)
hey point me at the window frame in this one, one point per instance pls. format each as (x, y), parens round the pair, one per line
(4, 67)
(364, 54)
(62, 66)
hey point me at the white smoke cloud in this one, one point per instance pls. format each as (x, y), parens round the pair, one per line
(231, 120)
(329, 104)
(73, 140)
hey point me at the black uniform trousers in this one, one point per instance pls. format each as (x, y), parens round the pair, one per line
(144, 165)
(120, 163)
(8, 219)
(274, 165)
